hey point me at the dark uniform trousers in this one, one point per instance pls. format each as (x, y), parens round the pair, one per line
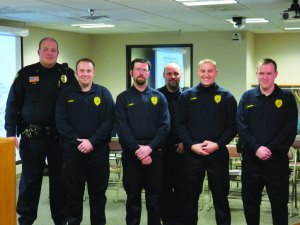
(272, 173)
(136, 177)
(217, 167)
(33, 152)
(94, 168)
(172, 195)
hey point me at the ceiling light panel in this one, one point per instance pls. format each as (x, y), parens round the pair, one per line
(252, 20)
(93, 25)
(205, 3)
(291, 28)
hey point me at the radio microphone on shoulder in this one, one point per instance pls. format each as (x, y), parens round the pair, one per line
(65, 66)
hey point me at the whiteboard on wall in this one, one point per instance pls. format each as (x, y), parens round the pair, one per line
(11, 61)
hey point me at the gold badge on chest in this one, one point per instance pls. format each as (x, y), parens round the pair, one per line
(278, 103)
(217, 98)
(97, 100)
(154, 100)
(63, 78)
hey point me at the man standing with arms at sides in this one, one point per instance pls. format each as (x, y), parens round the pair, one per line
(143, 124)
(30, 112)
(85, 117)
(172, 198)
(267, 126)
(205, 121)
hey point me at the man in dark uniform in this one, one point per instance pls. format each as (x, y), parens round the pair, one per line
(85, 117)
(172, 198)
(30, 112)
(143, 124)
(205, 121)
(267, 126)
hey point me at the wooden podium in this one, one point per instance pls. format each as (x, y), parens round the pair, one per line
(7, 182)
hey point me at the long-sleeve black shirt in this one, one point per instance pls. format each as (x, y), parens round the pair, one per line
(89, 115)
(33, 94)
(142, 116)
(269, 121)
(206, 113)
(172, 98)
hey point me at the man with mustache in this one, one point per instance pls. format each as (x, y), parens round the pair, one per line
(143, 123)
(172, 200)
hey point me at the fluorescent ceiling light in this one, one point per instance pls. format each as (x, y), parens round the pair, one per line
(292, 20)
(93, 25)
(291, 28)
(256, 20)
(252, 20)
(202, 3)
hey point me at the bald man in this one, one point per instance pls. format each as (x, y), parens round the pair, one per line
(172, 200)
(205, 121)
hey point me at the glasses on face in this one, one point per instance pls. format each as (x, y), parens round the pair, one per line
(141, 70)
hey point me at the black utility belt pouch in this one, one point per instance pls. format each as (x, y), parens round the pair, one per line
(34, 131)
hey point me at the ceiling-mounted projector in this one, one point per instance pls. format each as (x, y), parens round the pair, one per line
(239, 22)
(294, 8)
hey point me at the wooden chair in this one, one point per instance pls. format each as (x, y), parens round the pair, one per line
(234, 165)
(294, 167)
(115, 165)
(116, 169)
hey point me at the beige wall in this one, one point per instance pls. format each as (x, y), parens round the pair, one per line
(251, 64)
(72, 46)
(285, 50)
(110, 56)
(236, 60)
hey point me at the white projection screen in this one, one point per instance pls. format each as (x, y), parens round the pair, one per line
(11, 61)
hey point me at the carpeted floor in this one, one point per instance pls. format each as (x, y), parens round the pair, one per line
(115, 211)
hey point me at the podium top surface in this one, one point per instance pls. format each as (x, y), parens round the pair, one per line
(4, 140)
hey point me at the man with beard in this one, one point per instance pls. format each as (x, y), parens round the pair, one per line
(172, 201)
(143, 124)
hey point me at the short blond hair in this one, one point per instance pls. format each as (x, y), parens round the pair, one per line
(208, 61)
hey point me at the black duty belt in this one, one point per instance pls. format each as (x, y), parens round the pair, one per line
(33, 130)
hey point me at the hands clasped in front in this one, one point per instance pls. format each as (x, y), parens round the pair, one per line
(263, 153)
(85, 146)
(205, 148)
(143, 154)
